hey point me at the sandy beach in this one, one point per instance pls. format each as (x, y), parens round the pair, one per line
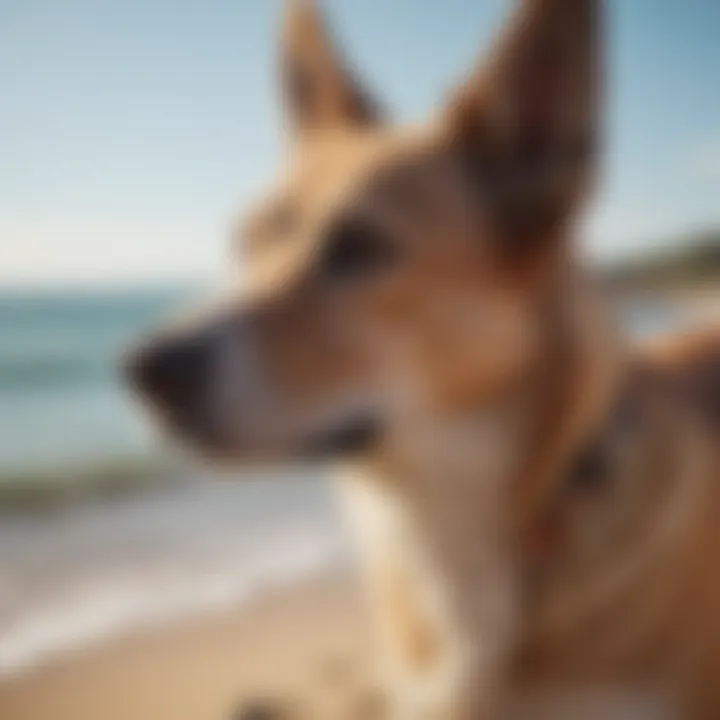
(301, 652)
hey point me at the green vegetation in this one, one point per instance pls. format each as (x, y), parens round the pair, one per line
(49, 488)
(691, 262)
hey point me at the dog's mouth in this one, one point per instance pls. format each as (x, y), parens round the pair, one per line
(352, 437)
(356, 436)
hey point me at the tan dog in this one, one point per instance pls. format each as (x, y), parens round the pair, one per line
(538, 510)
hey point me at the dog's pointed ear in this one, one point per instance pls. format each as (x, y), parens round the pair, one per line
(528, 121)
(318, 88)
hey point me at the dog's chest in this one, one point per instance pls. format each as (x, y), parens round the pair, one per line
(407, 589)
(395, 553)
(442, 602)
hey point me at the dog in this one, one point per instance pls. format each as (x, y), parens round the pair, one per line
(536, 500)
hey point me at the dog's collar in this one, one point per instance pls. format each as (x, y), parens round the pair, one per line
(589, 467)
(588, 472)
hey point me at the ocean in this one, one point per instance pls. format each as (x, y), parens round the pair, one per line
(102, 528)
(62, 413)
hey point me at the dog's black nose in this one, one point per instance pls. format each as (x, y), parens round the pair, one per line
(170, 371)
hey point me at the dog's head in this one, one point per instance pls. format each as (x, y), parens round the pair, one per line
(392, 274)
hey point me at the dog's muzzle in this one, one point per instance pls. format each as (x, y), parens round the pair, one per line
(209, 388)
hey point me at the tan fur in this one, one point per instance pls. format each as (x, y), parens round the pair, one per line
(508, 575)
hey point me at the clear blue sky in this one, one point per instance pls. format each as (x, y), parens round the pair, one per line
(131, 131)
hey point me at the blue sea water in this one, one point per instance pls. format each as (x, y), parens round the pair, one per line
(63, 411)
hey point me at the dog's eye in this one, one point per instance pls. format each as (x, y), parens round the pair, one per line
(355, 249)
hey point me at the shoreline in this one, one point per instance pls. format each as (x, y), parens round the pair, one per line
(87, 572)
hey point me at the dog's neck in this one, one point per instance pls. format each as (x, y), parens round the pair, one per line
(449, 510)
(517, 447)
(441, 508)
(577, 390)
